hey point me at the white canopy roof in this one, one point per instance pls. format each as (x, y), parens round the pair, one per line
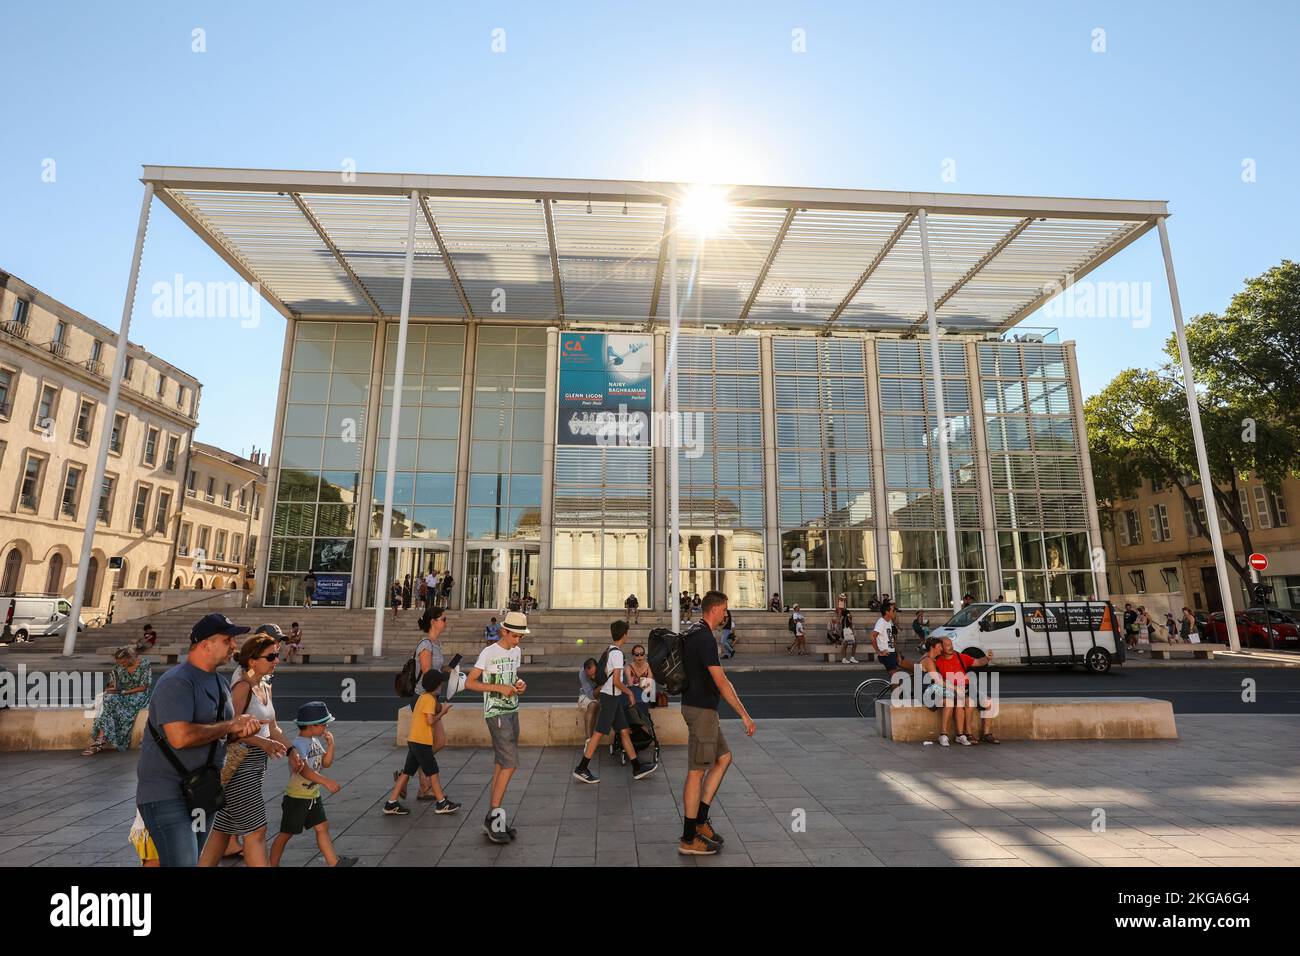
(502, 249)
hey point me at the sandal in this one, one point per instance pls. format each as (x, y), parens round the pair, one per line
(95, 748)
(990, 739)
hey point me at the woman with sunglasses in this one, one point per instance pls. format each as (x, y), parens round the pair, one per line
(244, 813)
(641, 679)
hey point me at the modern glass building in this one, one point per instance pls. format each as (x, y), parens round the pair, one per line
(529, 452)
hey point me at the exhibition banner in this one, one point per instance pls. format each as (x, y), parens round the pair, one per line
(604, 389)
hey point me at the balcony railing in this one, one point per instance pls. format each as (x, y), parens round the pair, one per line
(69, 509)
(57, 348)
(18, 330)
(83, 435)
(95, 367)
(183, 550)
(115, 445)
(210, 498)
(27, 500)
(170, 464)
(190, 493)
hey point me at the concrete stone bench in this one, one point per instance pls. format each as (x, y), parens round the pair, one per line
(1164, 652)
(330, 658)
(1043, 718)
(540, 725)
(831, 653)
(53, 728)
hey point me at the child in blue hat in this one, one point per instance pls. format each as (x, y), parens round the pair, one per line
(302, 807)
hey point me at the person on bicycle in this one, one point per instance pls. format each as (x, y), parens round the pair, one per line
(885, 637)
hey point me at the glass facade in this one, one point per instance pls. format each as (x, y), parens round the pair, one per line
(721, 468)
(1036, 472)
(913, 479)
(824, 471)
(313, 518)
(856, 476)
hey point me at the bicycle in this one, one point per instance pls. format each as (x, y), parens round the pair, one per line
(868, 692)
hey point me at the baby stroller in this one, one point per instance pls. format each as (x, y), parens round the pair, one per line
(642, 728)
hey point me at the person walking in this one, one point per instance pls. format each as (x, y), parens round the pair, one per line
(406, 593)
(302, 807)
(1171, 628)
(849, 638)
(309, 587)
(430, 588)
(428, 657)
(799, 646)
(708, 756)
(495, 675)
(395, 598)
(127, 693)
(1188, 631)
(244, 814)
(425, 717)
(190, 717)
(614, 697)
(447, 582)
(1130, 626)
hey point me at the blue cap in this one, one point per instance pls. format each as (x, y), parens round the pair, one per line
(215, 623)
(313, 712)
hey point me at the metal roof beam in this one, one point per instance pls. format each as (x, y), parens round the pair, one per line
(975, 270)
(446, 259)
(329, 244)
(879, 257)
(670, 220)
(555, 257)
(743, 321)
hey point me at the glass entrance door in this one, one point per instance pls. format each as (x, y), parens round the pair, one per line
(493, 574)
(403, 560)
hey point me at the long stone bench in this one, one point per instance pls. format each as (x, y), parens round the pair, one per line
(53, 728)
(1043, 718)
(831, 653)
(1163, 652)
(540, 725)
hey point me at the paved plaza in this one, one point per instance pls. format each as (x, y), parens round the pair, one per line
(1226, 794)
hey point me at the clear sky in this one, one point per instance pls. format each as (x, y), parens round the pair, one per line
(1012, 93)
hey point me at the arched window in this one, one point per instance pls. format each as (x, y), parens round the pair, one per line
(176, 584)
(13, 568)
(198, 584)
(92, 578)
(54, 581)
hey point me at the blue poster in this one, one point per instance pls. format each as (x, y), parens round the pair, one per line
(331, 589)
(604, 391)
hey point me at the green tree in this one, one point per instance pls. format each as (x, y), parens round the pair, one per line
(1243, 360)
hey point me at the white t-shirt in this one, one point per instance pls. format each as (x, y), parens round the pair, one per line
(613, 665)
(798, 623)
(884, 636)
(499, 666)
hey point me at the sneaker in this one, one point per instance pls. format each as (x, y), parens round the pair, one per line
(943, 740)
(853, 660)
(585, 776)
(494, 835)
(963, 740)
(845, 660)
(395, 809)
(646, 770)
(347, 861)
(697, 847)
(446, 806)
(706, 832)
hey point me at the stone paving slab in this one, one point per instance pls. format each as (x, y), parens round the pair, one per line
(825, 792)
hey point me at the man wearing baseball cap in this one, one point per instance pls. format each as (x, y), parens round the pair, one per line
(190, 717)
(495, 675)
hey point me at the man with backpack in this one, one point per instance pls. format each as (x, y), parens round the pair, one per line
(708, 753)
(615, 697)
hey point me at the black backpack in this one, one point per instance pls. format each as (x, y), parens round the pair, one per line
(404, 682)
(602, 674)
(667, 656)
(790, 624)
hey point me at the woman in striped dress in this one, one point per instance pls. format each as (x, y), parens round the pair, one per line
(244, 813)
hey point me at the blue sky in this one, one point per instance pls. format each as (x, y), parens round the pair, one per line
(1013, 93)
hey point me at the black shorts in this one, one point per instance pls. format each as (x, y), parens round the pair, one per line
(889, 661)
(420, 757)
(613, 713)
(301, 813)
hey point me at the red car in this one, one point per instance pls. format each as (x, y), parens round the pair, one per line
(1253, 629)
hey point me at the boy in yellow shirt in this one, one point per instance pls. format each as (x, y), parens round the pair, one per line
(302, 807)
(419, 748)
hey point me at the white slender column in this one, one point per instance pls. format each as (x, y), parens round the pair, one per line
(674, 443)
(936, 370)
(546, 550)
(380, 584)
(365, 500)
(1198, 437)
(658, 481)
(772, 578)
(110, 412)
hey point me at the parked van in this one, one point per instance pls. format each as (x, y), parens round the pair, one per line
(1059, 632)
(26, 617)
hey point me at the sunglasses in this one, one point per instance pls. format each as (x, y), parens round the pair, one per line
(269, 657)
(638, 655)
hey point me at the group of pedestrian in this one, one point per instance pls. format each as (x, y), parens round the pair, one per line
(207, 748)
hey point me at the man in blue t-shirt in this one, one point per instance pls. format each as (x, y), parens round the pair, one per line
(707, 750)
(191, 711)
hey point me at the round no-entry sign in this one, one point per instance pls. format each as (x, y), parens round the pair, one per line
(1258, 561)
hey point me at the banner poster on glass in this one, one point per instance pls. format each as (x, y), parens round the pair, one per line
(604, 390)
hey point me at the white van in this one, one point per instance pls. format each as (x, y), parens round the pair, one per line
(1058, 632)
(36, 616)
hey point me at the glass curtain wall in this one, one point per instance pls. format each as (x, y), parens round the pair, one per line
(824, 471)
(424, 480)
(913, 481)
(1037, 474)
(721, 468)
(321, 450)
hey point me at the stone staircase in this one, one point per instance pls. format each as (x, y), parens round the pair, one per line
(338, 635)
